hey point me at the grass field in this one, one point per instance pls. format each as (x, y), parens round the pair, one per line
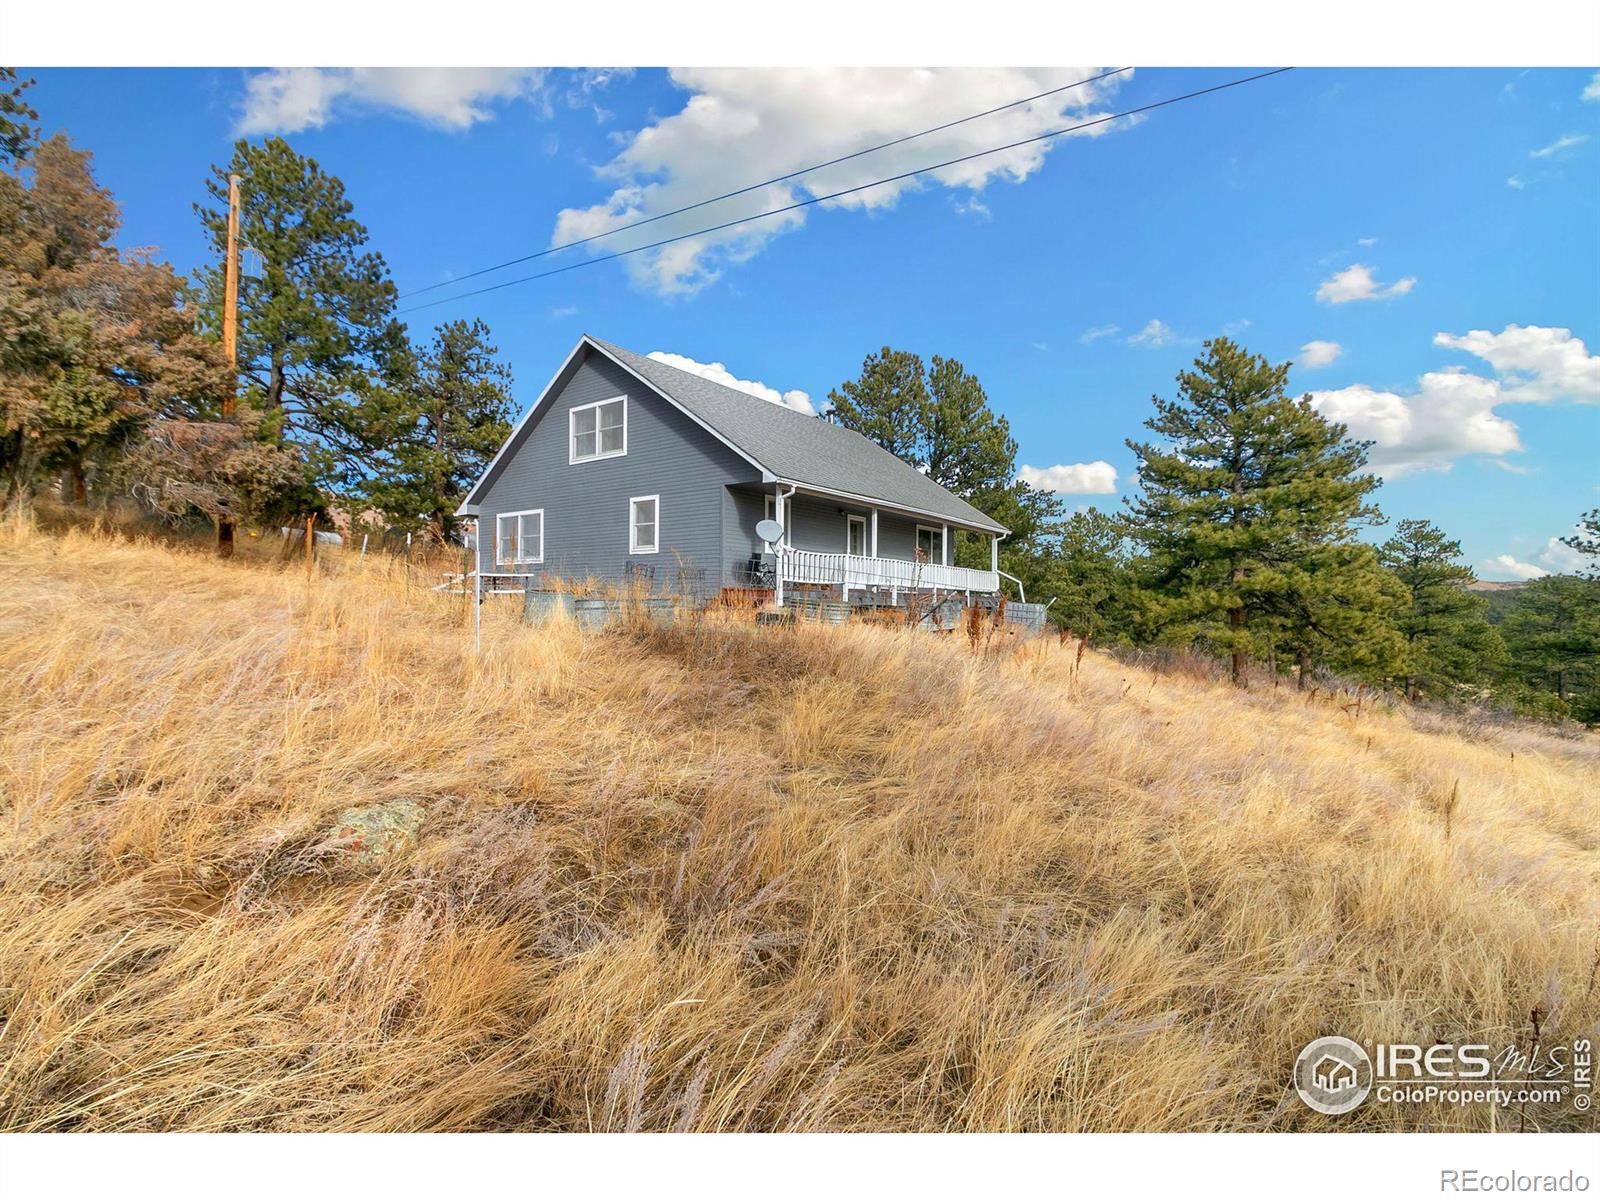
(709, 878)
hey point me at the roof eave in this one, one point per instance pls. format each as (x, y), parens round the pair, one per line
(986, 526)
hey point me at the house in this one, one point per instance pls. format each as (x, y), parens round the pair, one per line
(627, 467)
(1333, 1074)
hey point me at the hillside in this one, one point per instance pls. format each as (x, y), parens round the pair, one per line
(705, 878)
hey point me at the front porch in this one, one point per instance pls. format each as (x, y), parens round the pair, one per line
(856, 548)
(884, 576)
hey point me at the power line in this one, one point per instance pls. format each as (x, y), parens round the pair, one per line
(773, 212)
(832, 162)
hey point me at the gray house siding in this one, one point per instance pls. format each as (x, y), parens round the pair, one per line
(586, 504)
(742, 508)
(818, 523)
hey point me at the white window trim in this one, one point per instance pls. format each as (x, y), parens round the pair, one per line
(572, 432)
(633, 548)
(916, 542)
(499, 541)
(851, 520)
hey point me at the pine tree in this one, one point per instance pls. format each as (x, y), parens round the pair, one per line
(1090, 571)
(940, 422)
(317, 333)
(888, 403)
(442, 427)
(1245, 508)
(1586, 541)
(1552, 636)
(1339, 612)
(1449, 641)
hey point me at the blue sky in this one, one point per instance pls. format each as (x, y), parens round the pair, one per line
(1435, 230)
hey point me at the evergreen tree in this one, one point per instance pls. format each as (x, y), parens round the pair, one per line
(317, 334)
(1247, 507)
(1338, 611)
(93, 343)
(1090, 571)
(1586, 541)
(442, 428)
(940, 422)
(888, 403)
(1552, 636)
(1449, 641)
(17, 130)
(966, 446)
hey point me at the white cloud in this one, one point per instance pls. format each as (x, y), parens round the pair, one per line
(1555, 557)
(1098, 478)
(1089, 336)
(1357, 283)
(1592, 92)
(290, 99)
(1368, 242)
(1505, 564)
(1235, 328)
(1565, 142)
(1535, 363)
(972, 207)
(1155, 333)
(1516, 181)
(1042, 347)
(1453, 412)
(718, 373)
(740, 125)
(1319, 353)
(564, 310)
(1562, 558)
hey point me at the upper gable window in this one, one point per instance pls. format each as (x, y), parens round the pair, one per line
(599, 430)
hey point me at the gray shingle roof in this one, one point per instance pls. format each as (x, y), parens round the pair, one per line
(802, 449)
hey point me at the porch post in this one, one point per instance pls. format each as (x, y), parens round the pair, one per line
(874, 551)
(944, 543)
(994, 552)
(777, 515)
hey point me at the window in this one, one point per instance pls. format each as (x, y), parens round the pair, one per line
(855, 535)
(519, 537)
(772, 508)
(599, 430)
(644, 524)
(930, 541)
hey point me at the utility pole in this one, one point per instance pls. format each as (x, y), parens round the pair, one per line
(230, 339)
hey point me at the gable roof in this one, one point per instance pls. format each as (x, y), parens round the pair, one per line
(784, 444)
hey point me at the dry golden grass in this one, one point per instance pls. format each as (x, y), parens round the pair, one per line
(705, 878)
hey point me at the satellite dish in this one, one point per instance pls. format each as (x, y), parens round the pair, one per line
(769, 531)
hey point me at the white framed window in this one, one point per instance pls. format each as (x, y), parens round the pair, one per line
(772, 507)
(930, 541)
(598, 430)
(519, 538)
(644, 524)
(855, 535)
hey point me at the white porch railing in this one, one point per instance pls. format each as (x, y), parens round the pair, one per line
(854, 571)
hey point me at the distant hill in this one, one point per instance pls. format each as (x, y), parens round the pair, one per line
(1496, 585)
